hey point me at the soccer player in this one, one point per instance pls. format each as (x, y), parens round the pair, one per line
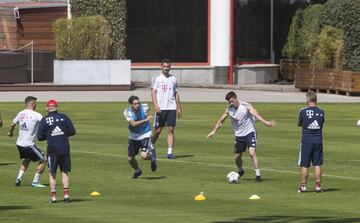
(56, 128)
(242, 115)
(311, 119)
(28, 120)
(166, 99)
(139, 134)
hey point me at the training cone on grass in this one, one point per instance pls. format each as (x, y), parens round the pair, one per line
(200, 197)
(95, 193)
(254, 197)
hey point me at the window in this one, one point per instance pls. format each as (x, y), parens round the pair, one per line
(174, 29)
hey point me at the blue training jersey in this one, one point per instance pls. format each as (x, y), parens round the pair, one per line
(56, 128)
(137, 132)
(312, 119)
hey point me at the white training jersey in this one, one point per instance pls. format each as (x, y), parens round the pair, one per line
(241, 119)
(166, 88)
(28, 121)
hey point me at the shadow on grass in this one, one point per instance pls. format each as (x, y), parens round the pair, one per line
(262, 180)
(178, 156)
(153, 178)
(79, 200)
(324, 190)
(6, 164)
(8, 208)
(277, 219)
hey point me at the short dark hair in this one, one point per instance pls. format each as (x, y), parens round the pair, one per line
(132, 98)
(30, 98)
(230, 95)
(166, 60)
(311, 96)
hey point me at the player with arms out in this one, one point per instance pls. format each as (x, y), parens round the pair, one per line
(166, 99)
(311, 119)
(242, 116)
(28, 120)
(139, 134)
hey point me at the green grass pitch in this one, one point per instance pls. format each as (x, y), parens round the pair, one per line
(99, 162)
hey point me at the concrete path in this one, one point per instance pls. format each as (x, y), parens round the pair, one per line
(187, 94)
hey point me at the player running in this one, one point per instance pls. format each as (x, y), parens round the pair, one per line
(139, 135)
(28, 120)
(242, 115)
(311, 119)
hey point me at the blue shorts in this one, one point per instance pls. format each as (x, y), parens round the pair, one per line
(135, 145)
(62, 161)
(310, 152)
(165, 117)
(243, 142)
(32, 153)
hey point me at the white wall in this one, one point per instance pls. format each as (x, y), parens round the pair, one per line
(92, 72)
(220, 33)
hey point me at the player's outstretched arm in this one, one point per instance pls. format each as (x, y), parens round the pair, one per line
(218, 124)
(136, 123)
(256, 114)
(11, 130)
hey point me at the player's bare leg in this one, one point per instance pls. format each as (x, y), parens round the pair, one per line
(134, 164)
(39, 170)
(304, 173)
(155, 134)
(318, 175)
(255, 162)
(239, 163)
(170, 142)
(52, 182)
(65, 180)
(23, 167)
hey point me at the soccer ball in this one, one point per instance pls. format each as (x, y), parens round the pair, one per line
(358, 123)
(233, 177)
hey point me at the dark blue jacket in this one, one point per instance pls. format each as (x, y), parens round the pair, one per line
(56, 128)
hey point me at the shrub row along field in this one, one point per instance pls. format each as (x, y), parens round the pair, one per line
(99, 161)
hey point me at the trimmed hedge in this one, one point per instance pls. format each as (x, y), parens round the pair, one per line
(303, 33)
(114, 11)
(83, 38)
(328, 52)
(345, 14)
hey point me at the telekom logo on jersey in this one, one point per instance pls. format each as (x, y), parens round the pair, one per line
(165, 87)
(50, 120)
(309, 113)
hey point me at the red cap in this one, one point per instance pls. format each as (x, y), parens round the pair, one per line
(51, 102)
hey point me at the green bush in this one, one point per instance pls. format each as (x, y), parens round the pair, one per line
(292, 46)
(345, 14)
(303, 33)
(328, 51)
(114, 11)
(82, 38)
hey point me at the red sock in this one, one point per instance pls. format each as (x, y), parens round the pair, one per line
(53, 194)
(66, 192)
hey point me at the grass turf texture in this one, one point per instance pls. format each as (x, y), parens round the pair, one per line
(99, 160)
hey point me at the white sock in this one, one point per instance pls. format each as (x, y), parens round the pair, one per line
(169, 150)
(37, 178)
(257, 172)
(21, 174)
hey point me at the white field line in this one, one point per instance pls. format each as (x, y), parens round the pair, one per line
(218, 165)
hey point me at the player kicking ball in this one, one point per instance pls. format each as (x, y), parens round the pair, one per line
(139, 135)
(243, 116)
